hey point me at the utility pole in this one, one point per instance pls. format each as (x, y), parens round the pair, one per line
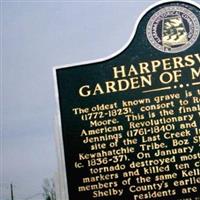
(11, 191)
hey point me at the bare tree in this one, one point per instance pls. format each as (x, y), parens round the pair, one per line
(49, 192)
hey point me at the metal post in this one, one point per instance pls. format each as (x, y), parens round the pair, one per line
(11, 191)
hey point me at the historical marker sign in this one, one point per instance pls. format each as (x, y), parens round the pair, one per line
(131, 123)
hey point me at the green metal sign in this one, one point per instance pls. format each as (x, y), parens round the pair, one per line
(130, 123)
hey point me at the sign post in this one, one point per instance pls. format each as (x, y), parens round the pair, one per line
(130, 123)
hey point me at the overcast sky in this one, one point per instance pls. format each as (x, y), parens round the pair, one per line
(37, 35)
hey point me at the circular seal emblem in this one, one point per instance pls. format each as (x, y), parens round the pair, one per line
(173, 29)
